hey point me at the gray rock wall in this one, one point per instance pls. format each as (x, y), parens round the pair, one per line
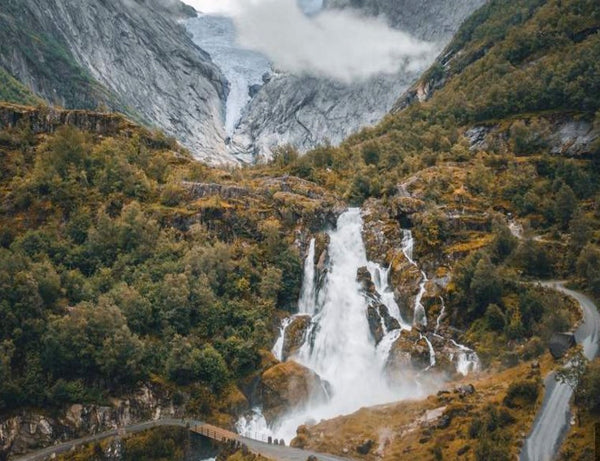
(132, 55)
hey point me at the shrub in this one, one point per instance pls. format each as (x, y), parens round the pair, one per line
(522, 394)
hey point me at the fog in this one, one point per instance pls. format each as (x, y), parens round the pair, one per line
(340, 45)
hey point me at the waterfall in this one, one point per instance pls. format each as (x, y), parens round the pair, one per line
(254, 425)
(380, 277)
(340, 347)
(431, 351)
(441, 316)
(307, 301)
(408, 245)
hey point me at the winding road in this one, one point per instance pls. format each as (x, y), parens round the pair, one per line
(552, 421)
(275, 452)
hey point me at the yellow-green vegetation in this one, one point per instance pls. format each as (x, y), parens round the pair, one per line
(122, 260)
(11, 90)
(580, 442)
(484, 423)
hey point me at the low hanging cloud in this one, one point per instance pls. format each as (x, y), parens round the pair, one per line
(341, 45)
(337, 44)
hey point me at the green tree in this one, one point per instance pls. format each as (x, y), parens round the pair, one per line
(588, 267)
(485, 287)
(565, 206)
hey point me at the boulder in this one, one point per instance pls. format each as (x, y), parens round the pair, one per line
(409, 351)
(378, 314)
(560, 343)
(288, 386)
(405, 278)
(363, 277)
(295, 335)
(406, 206)
(365, 447)
(375, 325)
(465, 389)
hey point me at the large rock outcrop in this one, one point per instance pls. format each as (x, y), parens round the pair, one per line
(27, 430)
(295, 335)
(130, 56)
(288, 386)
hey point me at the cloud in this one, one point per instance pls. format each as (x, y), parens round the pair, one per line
(341, 45)
(337, 44)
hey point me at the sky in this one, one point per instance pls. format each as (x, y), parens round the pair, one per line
(340, 45)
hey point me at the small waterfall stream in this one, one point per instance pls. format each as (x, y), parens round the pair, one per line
(308, 296)
(408, 245)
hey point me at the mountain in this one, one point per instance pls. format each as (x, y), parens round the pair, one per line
(135, 57)
(305, 111)
(130, 56)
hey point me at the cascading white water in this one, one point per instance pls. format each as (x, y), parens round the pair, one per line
(467, 360)
(340, 347)
(307, 302)
(441, 316)
(253, 425)
(278, 347)
(408, 244)
(381, 277)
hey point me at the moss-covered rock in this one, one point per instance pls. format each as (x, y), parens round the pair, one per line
(295, 335)
(289, 386)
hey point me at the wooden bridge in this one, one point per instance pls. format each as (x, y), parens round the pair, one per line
(215, 433)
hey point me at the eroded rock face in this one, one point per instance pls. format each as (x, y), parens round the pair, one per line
(306, 111)
(435, 20)
(378, 314)
(49, 120)
(289, 386)
(25, 430)
(134, 57)
(295, 335)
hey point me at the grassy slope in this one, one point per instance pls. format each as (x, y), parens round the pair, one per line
(11, 90)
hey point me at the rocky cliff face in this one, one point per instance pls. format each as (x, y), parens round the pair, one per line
(307, 111)
(433, 20)
(130, 55)
(28, 430)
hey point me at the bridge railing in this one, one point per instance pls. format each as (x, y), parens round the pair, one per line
(222, 435)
